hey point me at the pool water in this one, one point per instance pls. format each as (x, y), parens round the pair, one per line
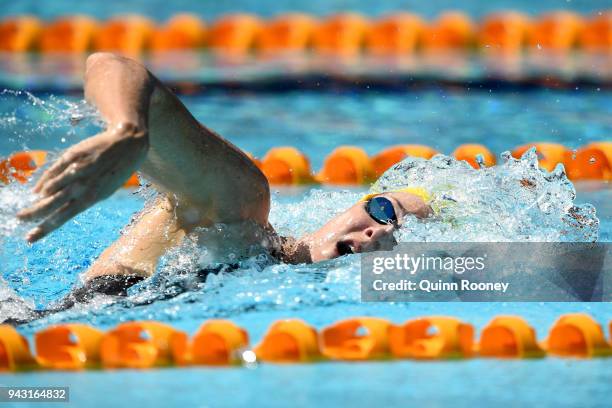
(317, 122)
(35, 276)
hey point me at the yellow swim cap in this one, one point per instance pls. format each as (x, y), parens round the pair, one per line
(417, 191)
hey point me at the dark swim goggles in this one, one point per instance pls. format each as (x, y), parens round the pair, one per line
(381, 210)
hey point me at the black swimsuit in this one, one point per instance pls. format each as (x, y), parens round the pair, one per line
(113, 285)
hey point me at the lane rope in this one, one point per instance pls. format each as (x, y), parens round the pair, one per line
(148, 344)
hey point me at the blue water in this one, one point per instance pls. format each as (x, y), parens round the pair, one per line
(320, 294)
(316, 123)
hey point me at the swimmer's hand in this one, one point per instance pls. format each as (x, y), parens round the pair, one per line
(86, 173)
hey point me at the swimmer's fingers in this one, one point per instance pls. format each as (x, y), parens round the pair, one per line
(56, 220)
(45, 206)
(72, 172)
(57, 168)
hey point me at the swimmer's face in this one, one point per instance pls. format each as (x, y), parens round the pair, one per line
(355, 231)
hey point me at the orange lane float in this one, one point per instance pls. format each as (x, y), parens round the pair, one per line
(577, 335)
(220, 342)
(346, 165)
(68, 34)
(133, 181)
(556, 31)
(360, 338)
(19, 34)
(350, 165)
(287, 341)
(234, 34)
(450, 31)
(286, 166)
(596, 35)
(286, 33)
(395, 35)
(137, 345)
(587, 163)
(432, 337)
(68, 347)
(129, 34)
(14, 350)
(394, 154)
(342, 35)
(470, 152)
(509, 337)
(549, 154)
(21, 165)
(505, 32)
(181, 32)
(217, 342)
(606, 148)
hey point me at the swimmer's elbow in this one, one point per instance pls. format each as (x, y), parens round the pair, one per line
(98, 58)
(99, 62)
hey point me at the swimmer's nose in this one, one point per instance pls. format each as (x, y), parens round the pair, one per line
(375, 238)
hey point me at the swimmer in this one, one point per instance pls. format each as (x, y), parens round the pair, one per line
(202, 179)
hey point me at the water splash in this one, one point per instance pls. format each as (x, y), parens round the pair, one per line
(28, 121)
(310, 213)
(515, 201)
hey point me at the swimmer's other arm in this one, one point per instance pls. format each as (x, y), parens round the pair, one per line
(204, 178)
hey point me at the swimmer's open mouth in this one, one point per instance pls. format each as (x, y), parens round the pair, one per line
(344, 248)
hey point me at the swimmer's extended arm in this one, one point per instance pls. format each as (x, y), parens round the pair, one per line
(150, 130)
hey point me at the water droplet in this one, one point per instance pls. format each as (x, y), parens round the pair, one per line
(362, 331)
(480, 160)
(144, 335)
(249, 357)
(73, 338)
(432, 330)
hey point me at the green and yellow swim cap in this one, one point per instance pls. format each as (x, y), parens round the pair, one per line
(417, 191)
